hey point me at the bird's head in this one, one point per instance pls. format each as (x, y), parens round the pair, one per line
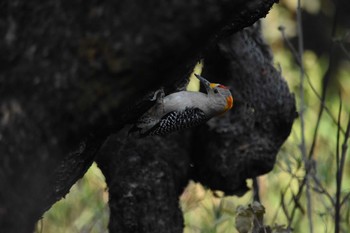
(219, 90)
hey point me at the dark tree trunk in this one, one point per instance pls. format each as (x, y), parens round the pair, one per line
(74, 74)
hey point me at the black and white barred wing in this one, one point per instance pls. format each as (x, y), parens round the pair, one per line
(175, 121)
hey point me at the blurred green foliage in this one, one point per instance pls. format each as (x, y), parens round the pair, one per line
(85, 207)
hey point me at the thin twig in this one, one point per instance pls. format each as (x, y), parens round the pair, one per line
(289, 45)
(285, 209)
(347, 196)
(313, 89)
(338, 181)
(296, 198)
(322, 98)
(346, 52)
(256, 196)
(326, 78)
(328, 111)
(322, 190)
(301, 114)
(339, 177)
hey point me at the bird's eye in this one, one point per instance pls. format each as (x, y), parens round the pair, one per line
(216, 91)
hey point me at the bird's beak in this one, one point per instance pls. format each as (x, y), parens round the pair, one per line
(205, 82)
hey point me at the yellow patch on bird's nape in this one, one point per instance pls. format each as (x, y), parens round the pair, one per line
(212, 85)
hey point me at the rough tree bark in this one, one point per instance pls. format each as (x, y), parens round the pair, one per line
(74, 73)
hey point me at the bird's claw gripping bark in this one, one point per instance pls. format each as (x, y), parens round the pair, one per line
(158, 95)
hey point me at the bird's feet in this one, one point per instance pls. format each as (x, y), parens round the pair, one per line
(158, 95)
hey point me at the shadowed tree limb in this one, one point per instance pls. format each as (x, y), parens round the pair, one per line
(74, 69)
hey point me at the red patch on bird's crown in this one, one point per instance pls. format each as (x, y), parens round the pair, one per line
(222, 86)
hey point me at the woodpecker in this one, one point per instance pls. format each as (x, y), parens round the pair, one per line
(184, 109)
